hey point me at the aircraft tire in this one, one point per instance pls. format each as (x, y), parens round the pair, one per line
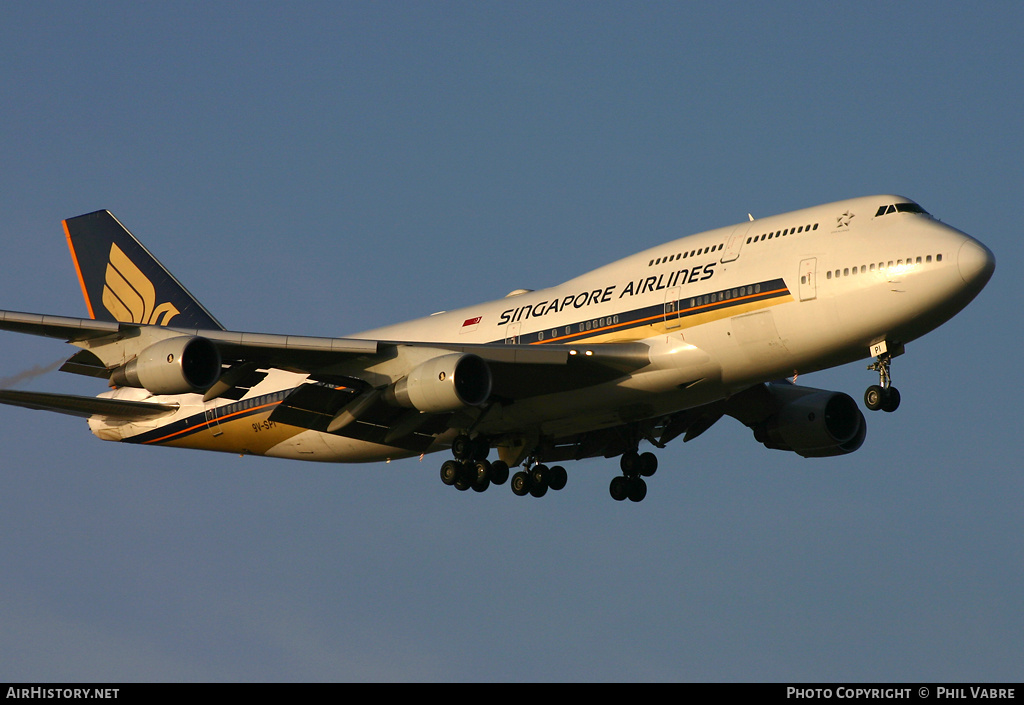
(618, 488)
(874, 397)
(891, 400)
(520, 484)
(539, 476)
(557, 477)
(462, 447)
(629, 463)
(450, 471)
(648, 464)
(479, 470)
(637, 489)
(499, 472)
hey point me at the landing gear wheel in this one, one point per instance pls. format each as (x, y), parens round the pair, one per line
(636, 489)
(462, 447)
(648, 464)
(874, 397)
(618, 488)
(520, 484)
(557, 477)
(480, 448)
(450, 471)
(479, 472)
(539, 475)
(499, 472)
(891, 400)
(629, 463)
(482, 485)
(539, 480)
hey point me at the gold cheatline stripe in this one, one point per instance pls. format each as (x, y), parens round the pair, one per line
(660, 316)
(206, 424)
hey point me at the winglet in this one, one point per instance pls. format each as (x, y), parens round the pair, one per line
(121, 281)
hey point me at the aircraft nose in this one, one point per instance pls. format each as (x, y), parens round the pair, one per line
(976, 263)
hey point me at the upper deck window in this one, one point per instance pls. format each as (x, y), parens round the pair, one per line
(900, 208)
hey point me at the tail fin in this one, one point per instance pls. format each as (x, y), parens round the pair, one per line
(123, 282)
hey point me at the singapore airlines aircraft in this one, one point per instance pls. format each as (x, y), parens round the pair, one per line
(659, 345)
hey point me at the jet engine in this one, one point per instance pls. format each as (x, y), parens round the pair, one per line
(814, 423)
(445, 383)
(182, 365)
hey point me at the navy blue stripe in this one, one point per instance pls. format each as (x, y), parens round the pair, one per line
(651, 315)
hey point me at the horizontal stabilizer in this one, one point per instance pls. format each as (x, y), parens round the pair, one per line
(87, 406)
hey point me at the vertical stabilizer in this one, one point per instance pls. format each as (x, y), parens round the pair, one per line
(123, 282)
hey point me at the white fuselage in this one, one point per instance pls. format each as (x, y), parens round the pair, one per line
(719, 310)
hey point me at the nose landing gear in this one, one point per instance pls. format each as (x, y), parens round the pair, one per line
(882, 396)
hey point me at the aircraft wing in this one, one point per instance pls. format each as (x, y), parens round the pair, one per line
(357, 365)
(87, 406)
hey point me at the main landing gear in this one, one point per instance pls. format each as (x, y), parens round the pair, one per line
(470, 467)
(630, 484)
(537, 479)
(883, 395)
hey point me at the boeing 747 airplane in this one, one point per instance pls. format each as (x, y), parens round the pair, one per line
(658, 345)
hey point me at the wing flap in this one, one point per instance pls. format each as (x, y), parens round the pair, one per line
(87, 406)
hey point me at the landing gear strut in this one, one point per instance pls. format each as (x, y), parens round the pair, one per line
(883, 395)
(630, 484)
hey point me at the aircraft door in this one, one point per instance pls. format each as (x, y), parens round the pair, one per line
(512, 333)
(735, 243)
(808, 283)
(672, 320)
(212, 419)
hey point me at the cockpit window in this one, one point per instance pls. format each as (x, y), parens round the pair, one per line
(900, 208)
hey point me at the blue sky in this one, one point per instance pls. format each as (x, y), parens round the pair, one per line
(325, 168)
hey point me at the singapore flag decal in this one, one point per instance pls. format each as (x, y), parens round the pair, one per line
(470, 324)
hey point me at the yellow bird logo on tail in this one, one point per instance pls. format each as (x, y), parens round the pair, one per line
(130, 296)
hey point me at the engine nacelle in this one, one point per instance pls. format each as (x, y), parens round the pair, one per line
(445, 383)
(182, 365)
(815, 425)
